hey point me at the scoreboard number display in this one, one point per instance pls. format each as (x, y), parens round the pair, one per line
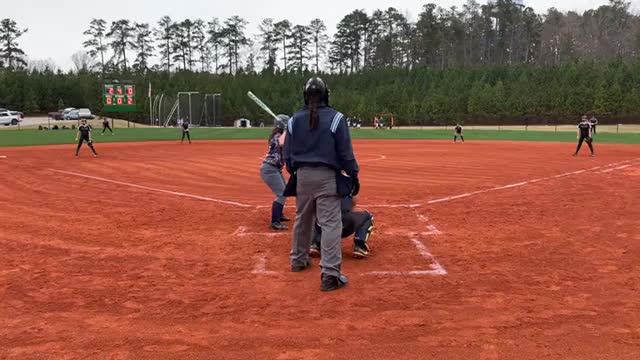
(119, 98)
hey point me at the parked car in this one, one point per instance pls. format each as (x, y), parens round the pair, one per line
(6, 118)
(57, 115)
(72, 115)
(19, 114)
(65, 113)
(85, 114)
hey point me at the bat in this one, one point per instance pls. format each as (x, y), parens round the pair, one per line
(261, 104)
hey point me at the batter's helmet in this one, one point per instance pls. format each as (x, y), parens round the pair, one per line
(282, 122)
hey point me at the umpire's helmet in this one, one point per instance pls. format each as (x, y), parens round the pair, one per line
(282, 122)
(316, 86)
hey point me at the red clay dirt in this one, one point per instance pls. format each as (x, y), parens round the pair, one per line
(97, 269)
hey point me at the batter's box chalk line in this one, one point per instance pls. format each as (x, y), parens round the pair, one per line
(435, 268)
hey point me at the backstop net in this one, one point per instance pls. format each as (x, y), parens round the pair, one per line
(194, 108)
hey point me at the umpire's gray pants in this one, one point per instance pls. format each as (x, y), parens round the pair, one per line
(317, 199)
(272, 176)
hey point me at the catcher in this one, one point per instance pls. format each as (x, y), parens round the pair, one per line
(359, 223)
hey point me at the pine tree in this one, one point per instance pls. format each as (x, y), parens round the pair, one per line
(318, 29)
(165, 34)
(143, 45)
(269, 44)
(214, 41)
(11, 55)
(121, 35)
(283, 31)
(96, 44)
(299, 43)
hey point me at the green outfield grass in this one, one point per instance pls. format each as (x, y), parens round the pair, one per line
(36, 137)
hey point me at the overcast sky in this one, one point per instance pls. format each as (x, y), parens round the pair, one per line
(56, 27)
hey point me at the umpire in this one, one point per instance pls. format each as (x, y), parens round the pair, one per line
(317, 148)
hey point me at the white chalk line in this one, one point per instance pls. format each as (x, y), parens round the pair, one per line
(373, 206)
(154, 189)
(511, 186)
(617, 168)
(260, 260)
(260, 266)
(3, 156)
(204, 198)
(379, 158)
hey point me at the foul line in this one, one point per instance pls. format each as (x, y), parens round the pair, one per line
(381, 206)
(154, 189)
(511, 186)
(618, 168)
(3, 157)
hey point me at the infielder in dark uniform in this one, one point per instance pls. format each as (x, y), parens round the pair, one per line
(584, 134)
(106, 126)
(271, 173)
(185, 132)
(458, 131)
(84, 134)
(317, 148)
(358, 223)
(594, 122)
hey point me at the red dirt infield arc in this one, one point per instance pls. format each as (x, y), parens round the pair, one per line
(161, 250)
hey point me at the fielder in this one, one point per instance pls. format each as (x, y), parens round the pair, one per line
(458, 131)
(106, 126)
(594, 123)
(84, 134)
(185, 132)
(584, 134)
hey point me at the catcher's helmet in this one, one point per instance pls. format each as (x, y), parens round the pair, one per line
(316, 86)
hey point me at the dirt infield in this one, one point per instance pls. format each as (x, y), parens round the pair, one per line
(487, 250)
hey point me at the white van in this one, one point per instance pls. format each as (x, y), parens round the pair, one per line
(85, 114)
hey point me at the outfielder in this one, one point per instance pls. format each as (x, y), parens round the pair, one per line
(106, 126)
(458, 131)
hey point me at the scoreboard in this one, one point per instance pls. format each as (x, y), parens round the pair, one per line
(119, 98)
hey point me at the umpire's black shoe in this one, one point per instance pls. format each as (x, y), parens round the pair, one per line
(331, 283)
(279, 227)
(301, 268)
(285, 219)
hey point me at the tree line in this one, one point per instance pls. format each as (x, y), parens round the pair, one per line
(499, 60)
(502, 32)
(498, 93)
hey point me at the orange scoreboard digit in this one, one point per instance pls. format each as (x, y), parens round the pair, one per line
(119, 98)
